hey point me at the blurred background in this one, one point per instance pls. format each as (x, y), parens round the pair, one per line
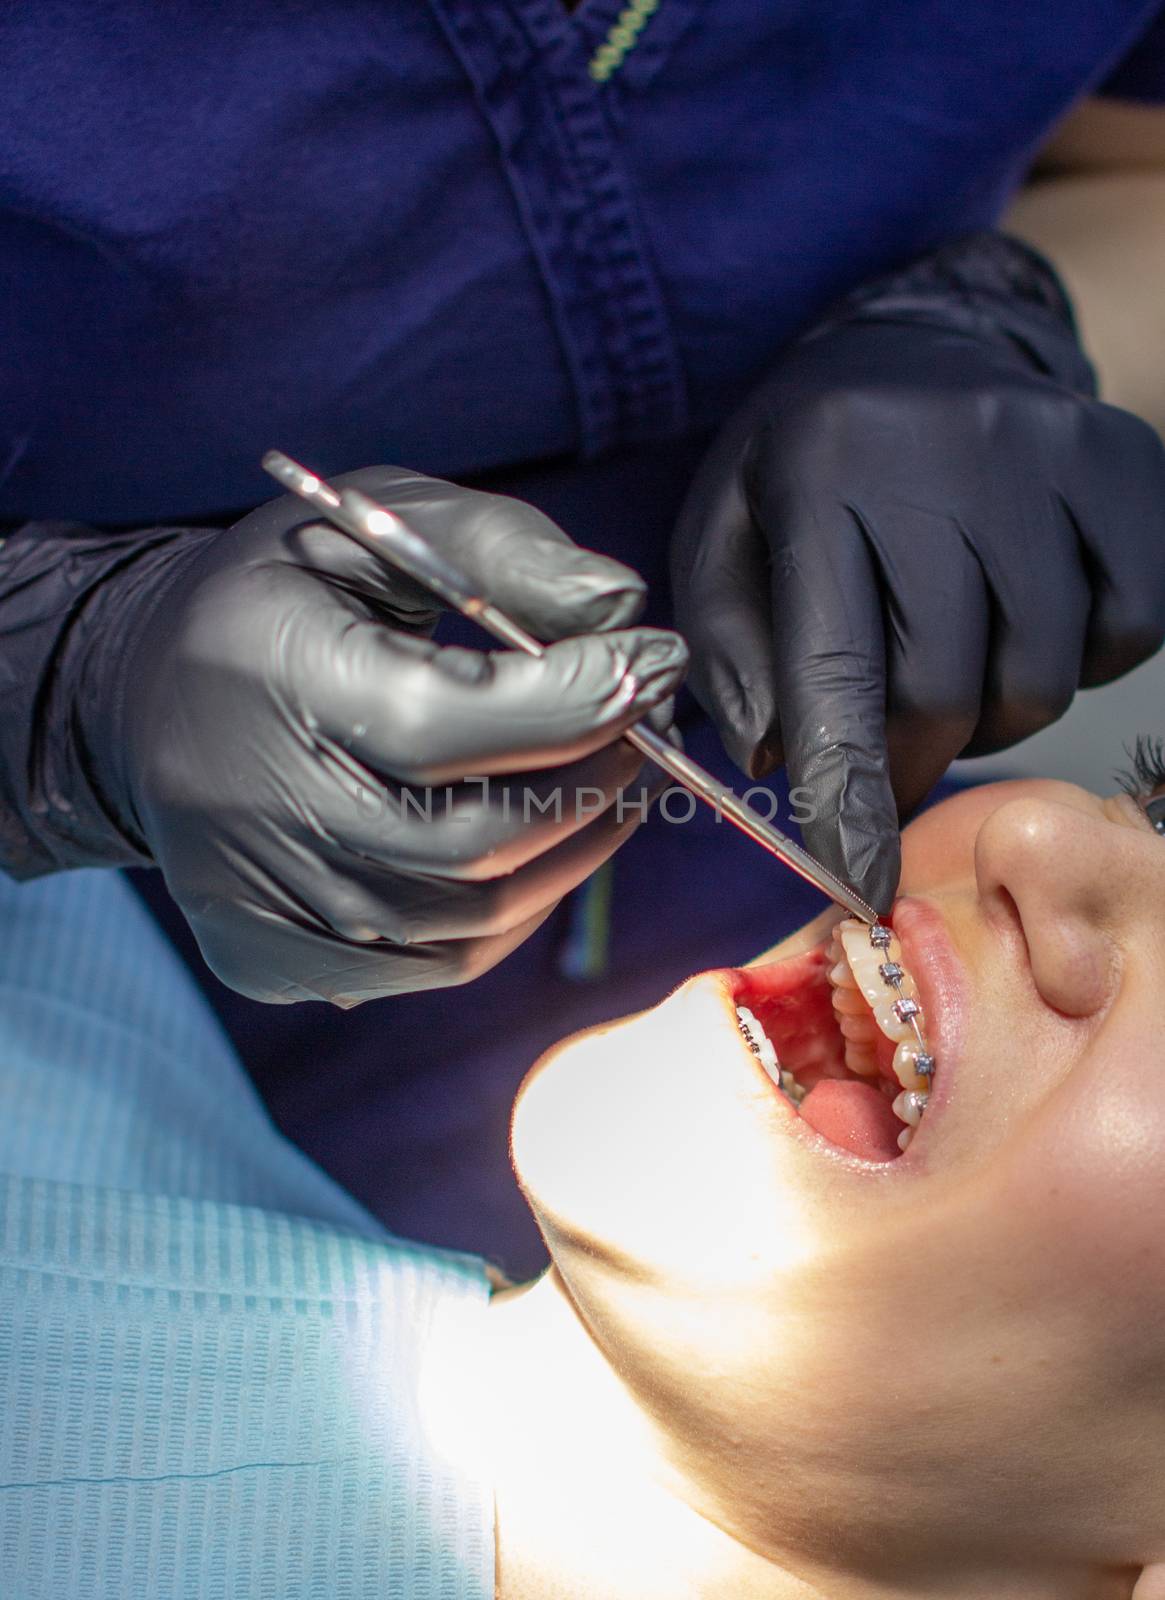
(1087, 745)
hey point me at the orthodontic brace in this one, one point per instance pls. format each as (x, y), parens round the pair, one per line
(906, 1010)
(911, 1103)
(759, 1043)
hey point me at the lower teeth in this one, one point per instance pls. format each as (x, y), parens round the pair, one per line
(758, 1042)
(792, 1088)
(909, 1106)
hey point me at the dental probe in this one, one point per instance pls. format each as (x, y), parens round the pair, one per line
(384, 533)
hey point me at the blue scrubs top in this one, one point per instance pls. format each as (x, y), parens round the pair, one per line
(467, 234)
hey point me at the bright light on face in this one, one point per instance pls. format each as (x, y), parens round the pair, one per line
(659, 1133)
(874, 1334)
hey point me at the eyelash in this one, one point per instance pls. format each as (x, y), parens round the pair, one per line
(1146, 776)
(1147, 772)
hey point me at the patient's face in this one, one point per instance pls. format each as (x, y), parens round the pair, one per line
(844, 1348)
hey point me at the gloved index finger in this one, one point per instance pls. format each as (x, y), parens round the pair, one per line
(830, 674)
(512, 553)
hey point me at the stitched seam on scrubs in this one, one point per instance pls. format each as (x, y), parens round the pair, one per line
(621, 39)
(529, 69)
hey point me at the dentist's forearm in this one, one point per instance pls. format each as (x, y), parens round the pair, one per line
(1105, 234)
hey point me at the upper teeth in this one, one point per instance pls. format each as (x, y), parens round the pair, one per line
(864, 962)
(868, 961)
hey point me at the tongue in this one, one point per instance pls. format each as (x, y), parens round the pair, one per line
(854, 1116)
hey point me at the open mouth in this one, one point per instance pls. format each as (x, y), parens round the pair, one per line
(840, 1032)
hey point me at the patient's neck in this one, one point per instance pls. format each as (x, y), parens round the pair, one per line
(586, 1509)
(590, 1508)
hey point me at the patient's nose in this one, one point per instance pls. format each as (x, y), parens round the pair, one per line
(1079, 883)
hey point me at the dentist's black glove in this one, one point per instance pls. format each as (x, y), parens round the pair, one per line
(917, 539)
(260, 712)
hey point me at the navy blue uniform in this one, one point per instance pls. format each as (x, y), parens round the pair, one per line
(427, 234)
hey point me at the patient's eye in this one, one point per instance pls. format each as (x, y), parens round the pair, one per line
(1145, 779)
(1155, 811)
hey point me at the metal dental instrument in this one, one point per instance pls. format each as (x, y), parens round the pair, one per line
(384, 533)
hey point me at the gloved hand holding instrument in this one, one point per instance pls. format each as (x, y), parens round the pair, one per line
(245, 707)
(917, 539)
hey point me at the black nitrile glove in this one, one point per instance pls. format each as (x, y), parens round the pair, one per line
(917, 539)
(248, 709)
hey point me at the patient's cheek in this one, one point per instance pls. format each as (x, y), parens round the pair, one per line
(1086, 1188)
